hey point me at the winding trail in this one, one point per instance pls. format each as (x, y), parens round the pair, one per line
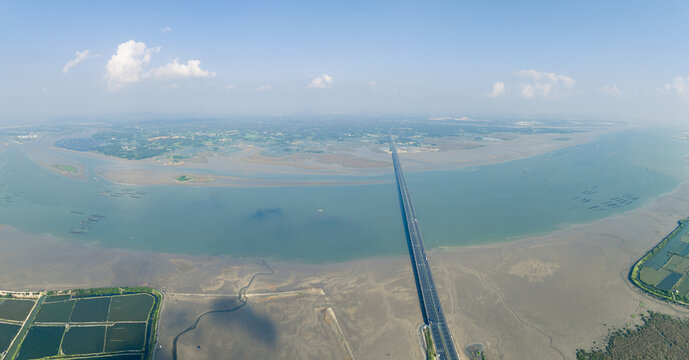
(240, 297)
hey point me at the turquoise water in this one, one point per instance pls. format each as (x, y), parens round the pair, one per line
(471, 206)
(493, 203)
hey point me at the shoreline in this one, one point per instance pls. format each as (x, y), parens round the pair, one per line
(243, 172)
(559, 291)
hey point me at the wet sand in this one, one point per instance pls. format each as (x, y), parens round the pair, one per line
(539, 297)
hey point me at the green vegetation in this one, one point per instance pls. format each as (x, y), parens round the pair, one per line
(183, 178)
(660, 337)
(664, 270)
(7, 333)
(178, 140)
(17, 310)
(430, 347)
(66, 168)
(41, 341)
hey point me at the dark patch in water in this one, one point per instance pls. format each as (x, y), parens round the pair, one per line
(262, 214)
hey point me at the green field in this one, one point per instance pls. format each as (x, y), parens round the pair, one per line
(131, 307)
(83, 340)
(17, 310)
(41, 341)
(55, 311)
(7, 333)
(652, 276)
(127, 336)
(91, 310)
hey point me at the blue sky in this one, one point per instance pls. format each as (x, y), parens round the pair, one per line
(579, 59)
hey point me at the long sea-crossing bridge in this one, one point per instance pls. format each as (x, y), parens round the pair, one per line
(428, 296)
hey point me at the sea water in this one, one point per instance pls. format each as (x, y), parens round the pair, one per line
(477, 205)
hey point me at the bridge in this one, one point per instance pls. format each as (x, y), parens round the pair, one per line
(428, 296)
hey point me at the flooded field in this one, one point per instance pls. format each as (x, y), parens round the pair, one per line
(7, 333)
(41, 341)
(17, 310)
(81, 323)
(83, 340)
(664, 270)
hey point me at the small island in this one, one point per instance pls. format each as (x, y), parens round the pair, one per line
(65, 168)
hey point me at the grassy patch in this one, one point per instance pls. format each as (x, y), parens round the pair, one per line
(652, 276)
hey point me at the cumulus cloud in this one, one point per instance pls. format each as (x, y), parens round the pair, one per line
(543, 84)
(264, 88)
(127, 65)
(166, 29)
(80, 56)
(175, 70)
(679, 86)
(611, 90)
(498, 89)
(321, 82)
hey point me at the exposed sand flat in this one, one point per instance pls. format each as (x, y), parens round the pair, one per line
(241, 168)
(539, 297)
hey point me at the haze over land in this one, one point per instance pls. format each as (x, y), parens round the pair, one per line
(237, 157)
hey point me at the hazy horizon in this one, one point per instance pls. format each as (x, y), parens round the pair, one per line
(586, 60)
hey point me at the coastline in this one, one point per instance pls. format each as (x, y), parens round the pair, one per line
(560, 291)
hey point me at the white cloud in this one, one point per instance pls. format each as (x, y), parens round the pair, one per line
(543, 84)
(80, 56)
(372, 84)
(166, 29)
(679, 86)
(498, 89)
(127, 65)
(45, 90)
(264, 88)
(375, 85)
(175, 70)
(230, 87)
(611, 90)
(321, 82)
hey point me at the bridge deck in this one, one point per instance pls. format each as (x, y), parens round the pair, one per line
(430, 302)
